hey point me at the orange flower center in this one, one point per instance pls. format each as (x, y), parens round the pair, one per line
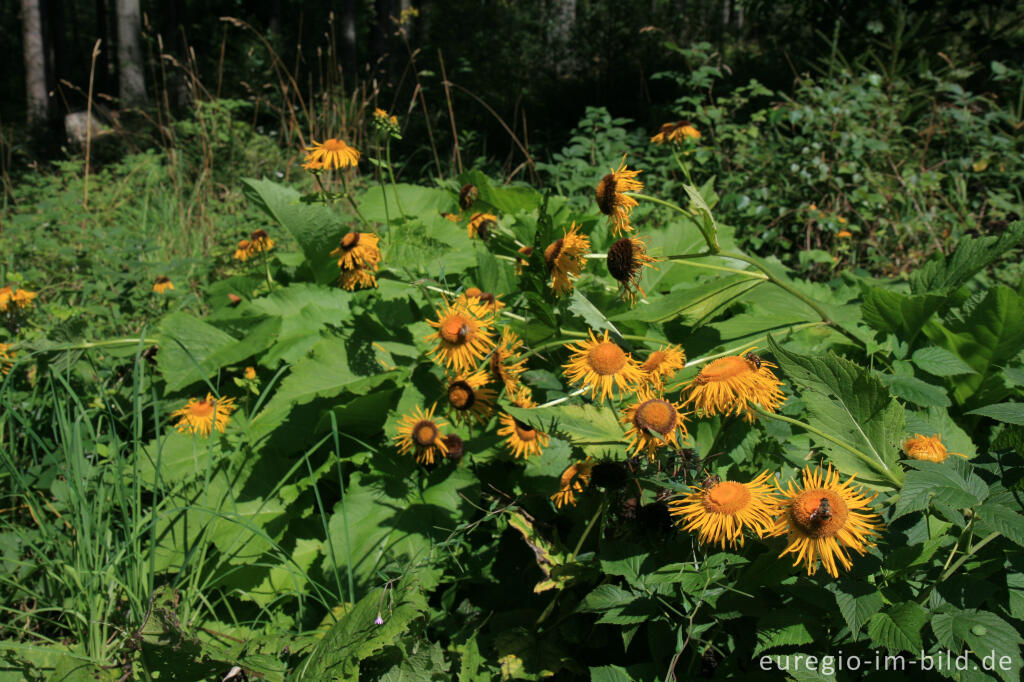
(474, 292)
(456, 329)
(727, 497)
(653, 361)
(333, 145)
(202, 408)
(350, 240)
(724, 369)
(606, 358)
(424, 433)
(606, 194)
(819, 512)
(552, 252)
(461, 396)
(525, 431)
(657, 415)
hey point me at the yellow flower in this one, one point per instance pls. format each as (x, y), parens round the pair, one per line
(522, 439)
(505, 364)
(357, 278)
(384, 118)
(470, 399)
(259, 241)
(6, 358)
(928, 448)
(481, 224)
(654, 422)
(332, 153)
(612, 201)
(626, 259)
(202, 416)
(525, 252)
(600, 364)
(358, 250)
(842, 220)
(242, 253)
(419, 432)
(676, 133)
(822, 519)
(22, 298)
(249, 373)
(566, 258)
(733, 385)
(463, 336)
(467, 195)
(162, 284)
(844, 234)
(722, 510)
(663, 364)
(573, 481)
(477, 297)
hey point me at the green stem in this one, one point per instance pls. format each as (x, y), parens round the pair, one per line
(722, 268)
(783, 285)
(383, 189)
(710, 239)
(266, 267)
(971, 552)
(832, 439)
(348, 195)
(101, 344)
(391, 174)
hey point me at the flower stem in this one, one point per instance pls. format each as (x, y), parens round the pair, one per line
(722, 268)
(970, 552)
(783, 285)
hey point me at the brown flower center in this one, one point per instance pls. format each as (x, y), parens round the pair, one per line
(657, 415)
(473, 292)
(724, 369)
(653, 361)
(620, 260)
(467, 195)
(525, 431)
(552, 252)
(819, 512)
(456, 446)
(606, 358)
(461, 396)
(727, 497)
(606, 194)
(258, 235)
(526, 251)
(456, 329)
(349, 241)
(424, 432)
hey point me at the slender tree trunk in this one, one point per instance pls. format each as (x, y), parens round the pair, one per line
(132, 84)
(38, 106)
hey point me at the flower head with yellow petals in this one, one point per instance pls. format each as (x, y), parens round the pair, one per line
(481, 225)
(203, 415)
(470, 399)
(358, 250)
(330, 154)
(573, 481)
(566, 258)
(676, 133)
(626, 261)
(928, 448)
(521, 438)
(662, 364)
(505, 363)
(162, 284)
(463, 337)
(611, 198)
(822, 519)
(653, 423)
(734, 385)
(722, 510)
(420, 434)
(600, 365)
(6, 358)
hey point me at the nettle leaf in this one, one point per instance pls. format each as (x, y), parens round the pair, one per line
(971, 256)
(896, 313)
(618, 606)
(773, 636)
(192, 350)
(898, 628)
(951, 483)
(581, 306)
(912, 389)
(940, 362)
(315, 227)
(985, 633)
(858, 603)
(610, 673)
(356, 636)
(1011, 413)
(998, 513)
(849, 403)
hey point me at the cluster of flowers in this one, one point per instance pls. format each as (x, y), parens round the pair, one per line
(14, 304)
(258, 242)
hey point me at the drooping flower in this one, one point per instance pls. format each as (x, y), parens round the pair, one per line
(506, 365)
(722, 510)
(521, 438)
(626, 259)
(654, 423)
(733, 385)
(524, 260)
(844, 234)
(662, 364)
(7, 357)
(611, 198)
(823, 518)
(470, 399)
(601, 364)
(249, 373)
(928, 448)
(573, 481)
(467, 195)
(420, 433)
(357, 278)
(203, 415)
(329, 154)
(481, 225)
(242, 253)
(259, 242)
(162, 284)
(676, 133)
(566, 258)
(463, 336)
(358, 250)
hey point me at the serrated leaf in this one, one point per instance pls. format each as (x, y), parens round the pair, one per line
(940, 362)
(1011, 413)
(857, 606)
(190, 349)
(971, 255)
(609, 673)
(581, 306)
(769, 637)
(914, 390)
(899, 314)
(580, 424)
(951, 482)
(999, 514)
(984, 633)
(849, 403)
(898, 628)
(604, 597)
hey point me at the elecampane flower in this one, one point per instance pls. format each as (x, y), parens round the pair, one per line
(332, 153)
(481, 225)
(611, 198)
(662, 364)
(463, 336)
(573, 481)
(505, 363)
(733, 385)
(928, 448)
(600, 365)
(203, 415)
(420, 434)
(653, 423)
(162, 284)
(470, 399)
(675, 133)
(566, 258)
(721, 511)
(626, 260)
(358, 250)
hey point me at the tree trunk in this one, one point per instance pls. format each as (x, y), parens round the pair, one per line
(38, 106)
(132, 84)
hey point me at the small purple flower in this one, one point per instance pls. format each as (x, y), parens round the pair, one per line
(379, 621)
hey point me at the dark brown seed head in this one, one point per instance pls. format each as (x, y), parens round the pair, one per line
(606, 194)
(620, 260)
(456, 447)
(461, 395)
(552, 252)
(467, 195)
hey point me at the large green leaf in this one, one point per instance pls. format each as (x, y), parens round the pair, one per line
(315, 227)
(595, 428)
(693, 302)
(900, 314)
(192, 350)
(952, 483)
(971, 255)
(848, 403)
(1011, 413)
(985, 633)
(898, 628)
